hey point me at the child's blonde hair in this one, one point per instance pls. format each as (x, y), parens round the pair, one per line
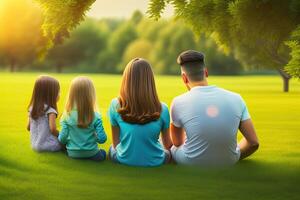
(82, 97)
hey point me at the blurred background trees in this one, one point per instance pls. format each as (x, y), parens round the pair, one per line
(237, 37)
(20, 33)
(107, 45)
(259, 33)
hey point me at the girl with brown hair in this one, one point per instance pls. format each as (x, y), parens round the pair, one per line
(81, 124)
(137, 118)
(42, 114)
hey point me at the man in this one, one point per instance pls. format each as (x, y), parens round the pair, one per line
(206, 119)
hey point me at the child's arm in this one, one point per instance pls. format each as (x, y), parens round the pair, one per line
(64, 133)
(115, 135)
(52, 124)
(100, 133)
(28, 125)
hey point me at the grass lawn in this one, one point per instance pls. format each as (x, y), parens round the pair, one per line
(272, 173)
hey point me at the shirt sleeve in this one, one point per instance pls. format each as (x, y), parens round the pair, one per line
(51, 110)
(165, 116)
(112, 113)
(64, 133)
(100, 133)
(175, 115)
(245, 113)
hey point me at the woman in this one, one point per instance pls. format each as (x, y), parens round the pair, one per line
(138, 118)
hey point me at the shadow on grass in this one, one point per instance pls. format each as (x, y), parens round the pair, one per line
(250, 179)
(12, 165)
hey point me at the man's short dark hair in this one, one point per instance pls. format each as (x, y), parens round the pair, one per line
(192, 63)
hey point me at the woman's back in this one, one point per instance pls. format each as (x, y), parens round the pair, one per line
(139, 143)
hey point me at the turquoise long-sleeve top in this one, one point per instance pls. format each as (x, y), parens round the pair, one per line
(81, 142)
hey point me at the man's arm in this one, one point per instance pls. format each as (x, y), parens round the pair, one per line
(177, 135)
(166, 139)
(249, 144)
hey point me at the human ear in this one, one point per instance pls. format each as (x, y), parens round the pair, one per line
(184, 78)
(206, 72)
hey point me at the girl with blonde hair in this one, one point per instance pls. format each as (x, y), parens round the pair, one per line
(81, 124)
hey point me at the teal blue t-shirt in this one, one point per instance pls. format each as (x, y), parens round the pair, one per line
(139, 143)
(81, 142)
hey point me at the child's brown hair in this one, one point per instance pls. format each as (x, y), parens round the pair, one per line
(139, 102)
(45, 92)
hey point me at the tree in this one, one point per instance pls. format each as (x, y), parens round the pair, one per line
(216, 60)
(255, 31)
(82, 47)
(172, 40)
(139, 48)
(293, 67)
(20, 35)
(118, 43)
(150, 29)
(61, 17)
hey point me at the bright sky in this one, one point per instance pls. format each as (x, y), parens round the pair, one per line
(120, 8)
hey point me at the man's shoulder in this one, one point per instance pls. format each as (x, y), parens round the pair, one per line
(228, 93)
(180, 98)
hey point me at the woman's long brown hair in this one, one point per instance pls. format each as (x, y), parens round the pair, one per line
(139, 102)
(45, 92)
(82, 97)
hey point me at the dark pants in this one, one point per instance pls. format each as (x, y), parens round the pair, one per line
(100, 156)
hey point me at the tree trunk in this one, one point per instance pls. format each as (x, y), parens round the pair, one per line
(286, 78)
(12, 65)
(59, 68)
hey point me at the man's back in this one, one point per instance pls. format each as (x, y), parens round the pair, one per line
(211, 117)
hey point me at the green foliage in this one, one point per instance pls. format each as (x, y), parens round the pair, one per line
(81, 48)
(216, 61)
(255, 31)
(156, 7)
(121, 38)
(118, 43)
(172, 40)
(136, 17)
(107, 45)
(61, 17)
(139, 48)
(150, 29)
(294, 63)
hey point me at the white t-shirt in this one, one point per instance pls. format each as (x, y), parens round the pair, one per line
(210, 117)
(40, 135)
